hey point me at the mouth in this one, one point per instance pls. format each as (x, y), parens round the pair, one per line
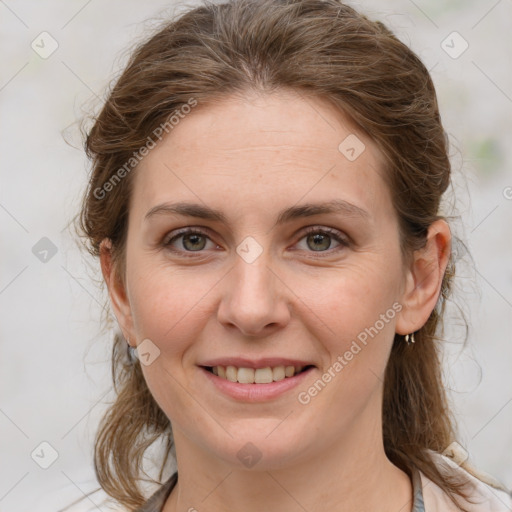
(254, 385)
(265, 375)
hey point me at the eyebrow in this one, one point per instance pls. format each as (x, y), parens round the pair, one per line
(197, 210)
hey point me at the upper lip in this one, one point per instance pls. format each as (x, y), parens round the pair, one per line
(242, 362)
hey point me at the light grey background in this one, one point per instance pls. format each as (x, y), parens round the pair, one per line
(54, 364)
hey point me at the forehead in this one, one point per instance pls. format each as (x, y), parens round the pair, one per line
(259, 150)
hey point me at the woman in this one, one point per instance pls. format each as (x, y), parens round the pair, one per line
(265, 205)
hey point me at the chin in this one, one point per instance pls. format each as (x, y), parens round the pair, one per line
(263, 450)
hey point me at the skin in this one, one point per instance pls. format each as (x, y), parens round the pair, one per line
(251, 157)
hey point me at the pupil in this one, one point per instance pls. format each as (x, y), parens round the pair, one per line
(194, 240)
(318, 237)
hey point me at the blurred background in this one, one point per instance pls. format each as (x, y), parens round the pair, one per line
(58, 57)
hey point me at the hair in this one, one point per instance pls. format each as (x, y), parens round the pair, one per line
(325, 49)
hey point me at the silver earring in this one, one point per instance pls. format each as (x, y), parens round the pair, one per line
(409, 340)
(132, 352)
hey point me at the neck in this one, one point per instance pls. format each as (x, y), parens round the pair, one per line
(352, 475)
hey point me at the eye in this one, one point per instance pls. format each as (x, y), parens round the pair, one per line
(319, 239)
(193, 240)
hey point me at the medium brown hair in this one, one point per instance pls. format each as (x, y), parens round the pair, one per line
(321, 48)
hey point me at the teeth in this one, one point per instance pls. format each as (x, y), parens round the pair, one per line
(231, 373)
(278, 373)
(258, 376)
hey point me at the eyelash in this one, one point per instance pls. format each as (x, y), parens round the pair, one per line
(336, 235)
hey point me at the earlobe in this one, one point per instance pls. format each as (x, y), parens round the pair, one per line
(424, 279)
(116, 290)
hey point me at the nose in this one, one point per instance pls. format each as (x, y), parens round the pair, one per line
(254, 299)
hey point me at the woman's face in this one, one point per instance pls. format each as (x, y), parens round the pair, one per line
(270, 280)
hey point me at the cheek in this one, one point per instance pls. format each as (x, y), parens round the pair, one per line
(165, 303)
(358, 314)
(167, 309)
(171, 307)
(351, 299)
(356, 332)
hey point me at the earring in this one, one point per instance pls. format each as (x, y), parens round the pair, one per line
(411, 340)
(132, 352)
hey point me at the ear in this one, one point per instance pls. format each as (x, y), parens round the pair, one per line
(117, 292)
(424, 279)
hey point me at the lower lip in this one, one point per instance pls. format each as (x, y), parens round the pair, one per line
(255, 392)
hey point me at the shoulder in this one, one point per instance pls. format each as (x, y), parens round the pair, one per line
(66, 499)
(484, 494)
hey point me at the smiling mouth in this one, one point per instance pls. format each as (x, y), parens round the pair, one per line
(265, 375)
